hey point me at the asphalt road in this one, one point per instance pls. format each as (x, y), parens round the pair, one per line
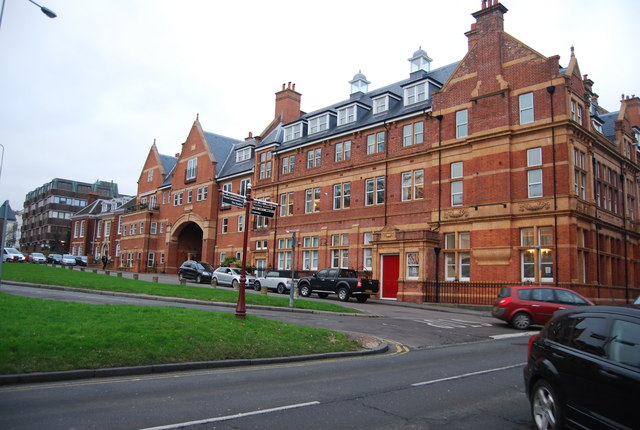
(453, 369)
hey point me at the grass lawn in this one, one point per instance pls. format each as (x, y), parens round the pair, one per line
(45, 335)
(41, 274)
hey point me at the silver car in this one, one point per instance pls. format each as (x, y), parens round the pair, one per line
(68, 260)
(279, 280)
(230, 276)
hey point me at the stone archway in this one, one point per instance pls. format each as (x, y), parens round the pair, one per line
(189, 242)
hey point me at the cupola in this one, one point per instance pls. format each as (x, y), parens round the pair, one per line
(420, 61)
(359, 83)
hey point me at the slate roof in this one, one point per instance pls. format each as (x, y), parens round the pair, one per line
(168, 162)
(95, 208)
(437, 78)
(221, 147)
(609, 124)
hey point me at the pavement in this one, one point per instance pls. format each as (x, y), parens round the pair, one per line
(370, 344)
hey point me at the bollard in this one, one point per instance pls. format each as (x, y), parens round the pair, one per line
(263, 290)
(183, 282)
(155, 279)
(107, 272)
(214, 283)
(95, 270)
(119, 274)
(82, 269)
(135, 276)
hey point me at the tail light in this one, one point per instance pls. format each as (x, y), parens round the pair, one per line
(505, 301)
(531, 340)
(359, 283)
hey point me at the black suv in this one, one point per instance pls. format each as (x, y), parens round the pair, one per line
(583, 369)
(199, 271)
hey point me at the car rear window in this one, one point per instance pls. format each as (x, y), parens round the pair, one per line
(504, 292)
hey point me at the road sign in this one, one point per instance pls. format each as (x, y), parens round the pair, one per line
(264, 205)
(263, 212)
(232, 199)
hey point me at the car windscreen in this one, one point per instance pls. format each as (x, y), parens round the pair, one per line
(206, 266)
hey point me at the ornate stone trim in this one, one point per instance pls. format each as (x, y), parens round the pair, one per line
(534, 206)
(456, 213)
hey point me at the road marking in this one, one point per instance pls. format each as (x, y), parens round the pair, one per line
(233, 417)
(510, 335)
(453, 323)
(466, 375)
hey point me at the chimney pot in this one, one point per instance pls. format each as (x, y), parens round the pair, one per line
(177, 155)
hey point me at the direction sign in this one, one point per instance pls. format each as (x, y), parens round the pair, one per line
(265, 205)
(234, 200)
(263, 212)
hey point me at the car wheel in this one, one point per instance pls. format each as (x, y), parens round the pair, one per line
(305, 291)
(343, 294)
(256, 286)
(546, 409)
(280, 289)
(234, 284)
(521, 321)
(361, 298)
(323, 295)
(198, 279)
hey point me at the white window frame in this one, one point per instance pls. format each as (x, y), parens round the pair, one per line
(462, 123)
(347, 115)
(412, 266)
(381, 104)
(416, 93)
(312, 200)
(293, 132)
(318, 124)
(525, 103)
(375, 192)
(192, 169)
(243, 154)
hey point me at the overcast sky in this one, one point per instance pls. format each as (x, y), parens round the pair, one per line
(84, 95)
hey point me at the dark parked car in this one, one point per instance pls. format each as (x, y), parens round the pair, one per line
(199, 271)
(522, 306)
(54, 258)
(343, 282)
(81, 260)
(583, 369)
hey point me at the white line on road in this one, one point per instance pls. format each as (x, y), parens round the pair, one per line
(465, 375)
(232, 417)
(510, 335)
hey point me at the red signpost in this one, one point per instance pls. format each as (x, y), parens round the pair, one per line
(264, 208)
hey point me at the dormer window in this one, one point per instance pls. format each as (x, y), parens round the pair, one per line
(347, 115)
(381, 104)
(243, 154)
(293, 132)
(318, 124)
(416, 93)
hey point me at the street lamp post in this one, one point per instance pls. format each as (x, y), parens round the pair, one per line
(45, 10)
(293, 266)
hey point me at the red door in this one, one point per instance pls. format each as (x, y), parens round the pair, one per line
(390, 274)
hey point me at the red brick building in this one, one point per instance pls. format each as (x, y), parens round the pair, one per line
(499, 167)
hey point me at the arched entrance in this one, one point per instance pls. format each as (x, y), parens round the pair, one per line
(189, 242)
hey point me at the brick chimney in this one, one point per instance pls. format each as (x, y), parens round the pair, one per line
(288, 103)
(489, 19)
